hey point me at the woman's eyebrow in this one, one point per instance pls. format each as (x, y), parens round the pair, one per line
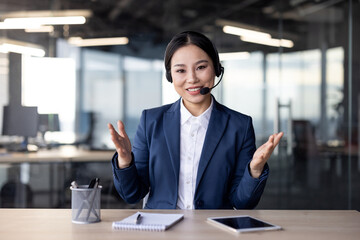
(198, 62)
(179, 65)
(202, 61)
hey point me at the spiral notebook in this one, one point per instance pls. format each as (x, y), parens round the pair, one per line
(148, 221)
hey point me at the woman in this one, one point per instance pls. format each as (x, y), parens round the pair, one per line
(194, 153)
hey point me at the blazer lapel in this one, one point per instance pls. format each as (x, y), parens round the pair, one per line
(171, 126)
(215, 131)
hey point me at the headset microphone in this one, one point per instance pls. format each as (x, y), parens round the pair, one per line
(206, 90)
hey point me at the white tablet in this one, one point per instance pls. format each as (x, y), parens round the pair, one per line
(243, 223)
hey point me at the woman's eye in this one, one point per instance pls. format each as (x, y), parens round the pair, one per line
(201, 67)
(180, 71)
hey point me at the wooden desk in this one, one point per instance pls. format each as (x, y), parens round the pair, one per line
(26, 224)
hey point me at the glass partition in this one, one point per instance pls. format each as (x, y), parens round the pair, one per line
(102, 97)
(143, 89)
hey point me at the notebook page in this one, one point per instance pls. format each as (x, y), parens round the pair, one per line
(149, 221)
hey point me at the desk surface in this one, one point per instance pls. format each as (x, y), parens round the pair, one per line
(61, 154)
(297, 224)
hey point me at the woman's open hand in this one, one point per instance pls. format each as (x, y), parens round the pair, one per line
(122, 144)
(263, 153)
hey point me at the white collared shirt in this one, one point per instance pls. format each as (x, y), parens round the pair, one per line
(192, 136)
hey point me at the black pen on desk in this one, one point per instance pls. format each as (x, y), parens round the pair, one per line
(138, 219)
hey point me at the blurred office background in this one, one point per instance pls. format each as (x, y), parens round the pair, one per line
(298, 72)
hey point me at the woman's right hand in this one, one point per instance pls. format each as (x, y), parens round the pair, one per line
(122, 144)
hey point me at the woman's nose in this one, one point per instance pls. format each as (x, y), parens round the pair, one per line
(191, 77)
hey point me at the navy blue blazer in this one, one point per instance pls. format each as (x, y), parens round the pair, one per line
(223, 178)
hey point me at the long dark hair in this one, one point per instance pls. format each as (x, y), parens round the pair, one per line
(186, 38)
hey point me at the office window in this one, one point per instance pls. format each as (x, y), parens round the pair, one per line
(296, 80)
(335, 91)
(4, 71)
(116, 87)
(143, 89)
(243, 85)
(49, 84)
(101, 91)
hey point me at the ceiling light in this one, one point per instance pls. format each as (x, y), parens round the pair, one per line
(250, 33)
(40, 29)
(234, 56)
(245, 32)
(77, 41)
(47, 13)
(47, 20)
(7, 45)
(270, 41)
(18, 26)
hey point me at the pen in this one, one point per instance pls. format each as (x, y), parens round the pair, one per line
(74, 184)
(97, 180)
(138, 219)
(93, 182)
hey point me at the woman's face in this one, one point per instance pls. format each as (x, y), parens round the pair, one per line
(191, 70)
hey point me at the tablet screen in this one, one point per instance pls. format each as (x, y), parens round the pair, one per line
(243, 223)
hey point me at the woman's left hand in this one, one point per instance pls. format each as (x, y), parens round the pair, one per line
(263, 153)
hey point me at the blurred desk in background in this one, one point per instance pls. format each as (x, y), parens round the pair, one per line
(61, 154)
(341, 154)
(49, 172)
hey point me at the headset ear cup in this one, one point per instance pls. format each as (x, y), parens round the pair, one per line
(219, 70)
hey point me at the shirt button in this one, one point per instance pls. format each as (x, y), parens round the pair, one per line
(188, 206)
(187, 182)
(192, 135)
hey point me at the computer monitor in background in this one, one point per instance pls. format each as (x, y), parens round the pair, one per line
(49, 123)
(20, 121)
